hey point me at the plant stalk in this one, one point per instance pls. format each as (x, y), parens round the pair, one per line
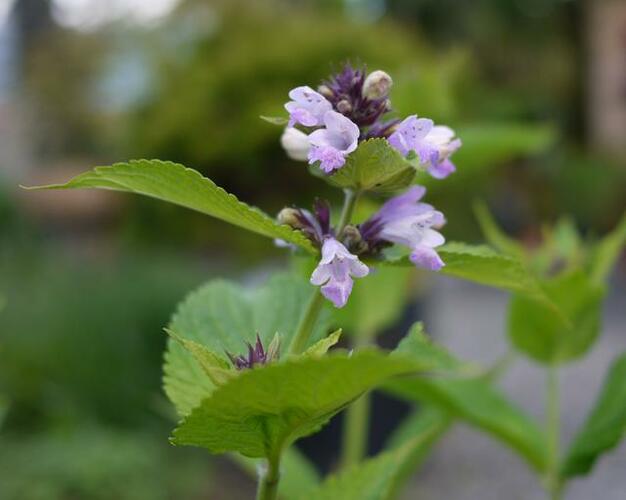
(349, 202)
(357, 419)
(308, 320)
(269, 475)
(554, 485)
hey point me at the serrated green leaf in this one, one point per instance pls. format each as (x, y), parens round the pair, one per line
(215, 367)
(264, 410)
(376, 303)
(607, 251)
(420, 347)
(275, 120)
(176, 184)
(562, 334)
(222, 316)
(321, 346)
(493, 234)
(380, 478)
(605, 426)
(473, 400)
(481, 264)
(374, 166)
(298, 475)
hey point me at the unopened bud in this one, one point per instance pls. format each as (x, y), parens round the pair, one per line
(326, 91)
(290, 217)
(344, 106)
(377, 85)
(295, 143)
(353, 239)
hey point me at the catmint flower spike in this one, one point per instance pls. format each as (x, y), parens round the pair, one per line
(377, 85)
(256, 355)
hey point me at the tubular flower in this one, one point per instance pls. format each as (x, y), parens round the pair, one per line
(307, 107)
(330, 145)
(335, 271)
(295, 143)
(433, 144)
(406, 221)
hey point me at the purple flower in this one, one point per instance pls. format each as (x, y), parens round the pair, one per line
(256, 354)
(336, 270)
(307, 107)
(330, 145)
(433, 144)
(406, 221)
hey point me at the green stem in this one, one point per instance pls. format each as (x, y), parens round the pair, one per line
(553, 428)
(307, 323)
(269, 475)
(357, 418)
(349, 202)
(308, 320)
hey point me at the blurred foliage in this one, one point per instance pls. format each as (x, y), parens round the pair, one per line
(99, 464)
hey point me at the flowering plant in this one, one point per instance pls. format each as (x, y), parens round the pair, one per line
(249, 371)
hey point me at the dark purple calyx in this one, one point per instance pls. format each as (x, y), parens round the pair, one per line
(256, 355)
(345, 92)
(315, 225)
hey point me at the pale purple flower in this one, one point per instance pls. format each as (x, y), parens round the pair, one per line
(331, 144)
(307, 107)
(433, 144)
(336, 270)
(406, 221)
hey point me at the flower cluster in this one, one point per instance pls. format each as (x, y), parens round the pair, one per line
(256, 355)
(325, 126)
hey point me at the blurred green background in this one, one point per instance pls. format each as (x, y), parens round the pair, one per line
(88, 281)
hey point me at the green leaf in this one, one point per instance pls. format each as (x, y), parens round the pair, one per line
(605, 426)
(298, 475)
(376, 303)
(264, 410)
(275, 120)
(176, 184)
(607, 251)
(216, 368)
(555, 335)
(379, 478)
(480, 264)
(473, 400)
(221, 316)
(321, 346)
(493, 234)
(374, 166)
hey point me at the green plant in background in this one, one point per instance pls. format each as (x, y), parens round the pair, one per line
(252, 370)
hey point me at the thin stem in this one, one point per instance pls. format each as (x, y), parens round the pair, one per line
(308, 320)
(553, 428)
(357, 419)
(349, 202)
(269, 475)
(307, 323)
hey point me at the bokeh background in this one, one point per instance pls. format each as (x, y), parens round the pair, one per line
(535, 88)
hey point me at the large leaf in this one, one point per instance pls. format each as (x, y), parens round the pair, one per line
(176, 184)
(493, 234)
(298, 475)
(480, 264)
(604, 427)
(376, 303)
(473, 400)
(607, 251)
(379, 478)
(264, 410)
(222, 316)
(562, 334)
(374, 166)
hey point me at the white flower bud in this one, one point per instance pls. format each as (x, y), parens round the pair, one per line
(295, 143)
(377, 85)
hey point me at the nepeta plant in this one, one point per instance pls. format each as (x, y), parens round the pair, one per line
(249, 370)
